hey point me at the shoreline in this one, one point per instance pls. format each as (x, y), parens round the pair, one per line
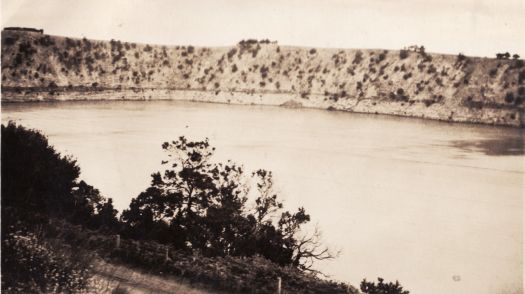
(494, 116)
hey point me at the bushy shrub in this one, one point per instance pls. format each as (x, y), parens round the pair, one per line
(403, 54)
(358, 57)
(30, 265)
(382, 288)
(37, 179)
(505, 55)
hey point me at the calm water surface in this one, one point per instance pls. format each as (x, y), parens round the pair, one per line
(437, 206)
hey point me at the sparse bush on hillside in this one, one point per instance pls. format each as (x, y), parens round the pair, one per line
(358, 57)
(312, 51)
(518, 63)
(381, 56)
(231, 53)
(509, 97)
(46, 41)
(521, 77)
(505, 55)
(403, 54)
(9, 41)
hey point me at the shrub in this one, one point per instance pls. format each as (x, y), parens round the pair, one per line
(403, 54)
(509, 97)
(46, 41)
(231, 53)
(313, 51)
(37, 179)
(505, 55)
(30, 265)
(382, 288)
(8, 41)
(358, 57)
(381, 56)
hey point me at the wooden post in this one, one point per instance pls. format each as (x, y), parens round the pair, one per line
(117, 241)
(279, 285)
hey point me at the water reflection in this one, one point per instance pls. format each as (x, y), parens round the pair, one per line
(510, 146)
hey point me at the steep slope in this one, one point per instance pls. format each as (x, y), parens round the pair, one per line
(408, 83)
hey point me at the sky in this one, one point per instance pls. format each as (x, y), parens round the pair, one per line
(473, 27)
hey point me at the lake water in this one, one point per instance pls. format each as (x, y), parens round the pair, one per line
(437, 206)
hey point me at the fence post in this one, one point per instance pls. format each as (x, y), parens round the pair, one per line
(279, 285)
(117, 241)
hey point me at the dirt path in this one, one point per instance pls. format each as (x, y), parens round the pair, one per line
(112, 278)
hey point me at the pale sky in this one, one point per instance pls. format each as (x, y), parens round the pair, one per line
(474, 27)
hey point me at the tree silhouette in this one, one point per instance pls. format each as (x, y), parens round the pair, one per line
(197, 204)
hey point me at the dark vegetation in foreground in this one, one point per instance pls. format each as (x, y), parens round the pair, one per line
(193, 222)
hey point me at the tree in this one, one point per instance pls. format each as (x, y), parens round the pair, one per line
(197, 204)
(193, 199)
(36, 179)
(34, 176)
(382, 288)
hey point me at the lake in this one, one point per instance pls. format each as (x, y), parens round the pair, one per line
(438, 206)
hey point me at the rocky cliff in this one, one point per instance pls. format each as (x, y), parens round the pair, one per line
(408, 83)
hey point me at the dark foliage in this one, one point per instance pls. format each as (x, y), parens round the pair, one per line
(31, 265)
(38, 180)
(505, 55)
(199, 205)
(382, 288)
(403, 54)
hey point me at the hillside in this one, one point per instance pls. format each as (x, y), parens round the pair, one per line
(407, 83)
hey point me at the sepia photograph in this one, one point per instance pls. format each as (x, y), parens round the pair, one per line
(293, 146)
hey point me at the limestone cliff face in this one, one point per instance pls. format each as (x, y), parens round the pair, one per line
(437, 86)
